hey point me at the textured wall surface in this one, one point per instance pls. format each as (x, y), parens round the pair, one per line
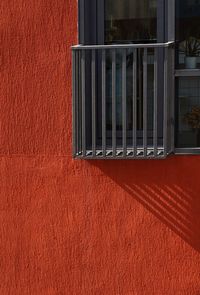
(75, 227)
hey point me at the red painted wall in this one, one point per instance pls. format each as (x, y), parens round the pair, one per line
(81, 227)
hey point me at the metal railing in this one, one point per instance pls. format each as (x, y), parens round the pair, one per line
(123, 97)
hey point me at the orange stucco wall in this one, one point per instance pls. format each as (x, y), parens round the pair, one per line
(81, 227)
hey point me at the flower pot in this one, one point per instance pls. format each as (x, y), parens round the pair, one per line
(190, 62)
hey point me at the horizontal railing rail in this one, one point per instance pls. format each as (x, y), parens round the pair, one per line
(123, 46)
(123, 96)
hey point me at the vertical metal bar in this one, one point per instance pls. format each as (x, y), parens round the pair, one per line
(171, 19)
(170, 101)
(165, 102)
(104, 102)
(172, 95)
(83, 102)
(79, 102)
(155, 104)
(135, 102)
(140, 75)
(124, 124)
(114, 102)
(145, 102)
(93, 70)
(74, 105)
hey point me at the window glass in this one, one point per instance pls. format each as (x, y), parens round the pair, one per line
(188, 33)
(189, 112)
(135, 22)
(129, 87)
(130, 20)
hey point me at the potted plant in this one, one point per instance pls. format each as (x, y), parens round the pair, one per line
(193, 120)
(191, 48)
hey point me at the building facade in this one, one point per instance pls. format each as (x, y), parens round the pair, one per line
(88, 227)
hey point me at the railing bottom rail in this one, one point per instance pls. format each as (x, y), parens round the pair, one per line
(150, 154)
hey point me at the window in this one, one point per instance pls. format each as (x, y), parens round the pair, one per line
(140, 16)
(187, 76)
(188, 131)
(136, 79)
(188, 34)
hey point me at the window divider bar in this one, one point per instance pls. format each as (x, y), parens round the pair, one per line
(104, 102)
(93, 70)
(114, 135)
(155, 111)
(145, 102)
(83, 103)
(135, 102)
(124, 108)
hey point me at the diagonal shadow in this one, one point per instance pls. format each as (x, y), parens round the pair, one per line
(169, 189)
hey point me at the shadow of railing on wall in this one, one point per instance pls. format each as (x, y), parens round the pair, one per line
(169, 189)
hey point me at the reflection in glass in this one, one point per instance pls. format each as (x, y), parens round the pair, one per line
(189, 112)
(130, 21)
(188, 33)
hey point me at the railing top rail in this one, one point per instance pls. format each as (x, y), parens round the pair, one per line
(124, 46)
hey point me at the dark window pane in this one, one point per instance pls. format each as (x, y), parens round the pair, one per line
(130, 20)
(188, 33)
(189, 112)
(129, 94)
